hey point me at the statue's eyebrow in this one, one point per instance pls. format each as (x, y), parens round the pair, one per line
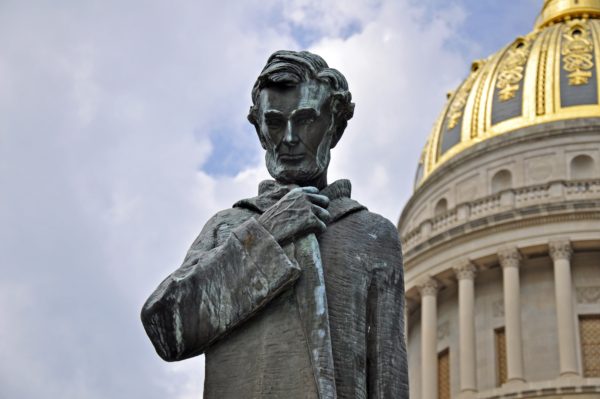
(305, 111)
(273, 113)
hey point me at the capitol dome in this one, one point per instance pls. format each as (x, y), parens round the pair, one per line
(546, 76)
(501, 237)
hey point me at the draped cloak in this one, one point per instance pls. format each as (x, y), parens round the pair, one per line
(318, 318)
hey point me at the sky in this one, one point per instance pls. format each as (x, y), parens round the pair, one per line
(123, 129)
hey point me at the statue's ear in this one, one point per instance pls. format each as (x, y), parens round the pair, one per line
(337, 135)
(253, 119)
(343, 110)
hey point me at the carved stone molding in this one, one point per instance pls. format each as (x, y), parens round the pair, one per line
(588, 295)
(509, 257)
(560, 249)
(465, 270)
(429, 286)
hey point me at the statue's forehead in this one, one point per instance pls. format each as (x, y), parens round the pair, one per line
(305, 95)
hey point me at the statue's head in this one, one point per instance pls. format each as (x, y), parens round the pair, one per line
(300, 110)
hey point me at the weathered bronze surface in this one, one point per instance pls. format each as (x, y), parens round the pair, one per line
(299, 291)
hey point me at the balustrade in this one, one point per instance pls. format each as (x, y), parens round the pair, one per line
(507, 200)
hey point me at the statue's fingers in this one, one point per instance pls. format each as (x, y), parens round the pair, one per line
(318, 199)
(309, 189)
(320, 226)
(321, 213)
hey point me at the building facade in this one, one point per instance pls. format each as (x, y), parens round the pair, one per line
(501, 237)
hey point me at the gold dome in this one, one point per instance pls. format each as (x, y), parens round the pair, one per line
(548, 75)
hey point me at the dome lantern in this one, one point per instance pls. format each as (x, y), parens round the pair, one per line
(561, 10)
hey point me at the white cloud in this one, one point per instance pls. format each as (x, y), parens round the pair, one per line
(105, 115)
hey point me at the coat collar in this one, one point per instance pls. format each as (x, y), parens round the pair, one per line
(270, 191)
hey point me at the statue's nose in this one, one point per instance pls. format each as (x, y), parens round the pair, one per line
(290, 137)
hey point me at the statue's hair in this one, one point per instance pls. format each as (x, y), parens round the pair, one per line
(289, 68)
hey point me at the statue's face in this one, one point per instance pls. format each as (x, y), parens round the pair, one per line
(296, 128)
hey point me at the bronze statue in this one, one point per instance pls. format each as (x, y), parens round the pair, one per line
(297, 292)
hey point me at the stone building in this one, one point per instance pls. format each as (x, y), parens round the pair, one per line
(502, 234)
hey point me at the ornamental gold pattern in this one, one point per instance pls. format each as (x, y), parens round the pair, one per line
(531, 66)
(541, 75)
(460, 100)
(511, 69)
(577, 52)
(475, 119)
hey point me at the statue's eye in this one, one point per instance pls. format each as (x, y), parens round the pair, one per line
(306, 120)
(274, 123)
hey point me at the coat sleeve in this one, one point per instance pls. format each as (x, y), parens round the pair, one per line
(217, 288)
(386, 344)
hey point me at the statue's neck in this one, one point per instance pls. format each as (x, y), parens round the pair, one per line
(319, 182)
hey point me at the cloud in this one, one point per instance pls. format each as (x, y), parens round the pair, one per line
(108, 115)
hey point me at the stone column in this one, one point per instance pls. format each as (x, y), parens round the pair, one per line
(465, 273)
(429, 366)
(560, 251)
(510, 259)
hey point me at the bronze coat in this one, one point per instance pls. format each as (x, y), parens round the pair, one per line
(237, 299)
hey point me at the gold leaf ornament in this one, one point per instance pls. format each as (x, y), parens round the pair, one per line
(577, 55)
(511, 70)
(460, 100)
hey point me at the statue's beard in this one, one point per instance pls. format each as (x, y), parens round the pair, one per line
(309, 170)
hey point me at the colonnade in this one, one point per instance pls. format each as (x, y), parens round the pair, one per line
(465, 272)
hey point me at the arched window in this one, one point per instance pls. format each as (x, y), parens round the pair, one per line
(582, 167)
(502, 180)
(441, 207)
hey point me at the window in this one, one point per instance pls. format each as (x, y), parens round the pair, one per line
(502, 180)
(589, 328)
(444, 374)
(502, 373)
(582, 167)
(441, 207)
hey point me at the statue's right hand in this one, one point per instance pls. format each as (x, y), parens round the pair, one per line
(300, 212)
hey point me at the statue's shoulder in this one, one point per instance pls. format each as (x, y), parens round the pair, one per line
(376, 225)
(231, 215)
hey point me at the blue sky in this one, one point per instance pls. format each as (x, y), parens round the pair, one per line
(123, 129)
